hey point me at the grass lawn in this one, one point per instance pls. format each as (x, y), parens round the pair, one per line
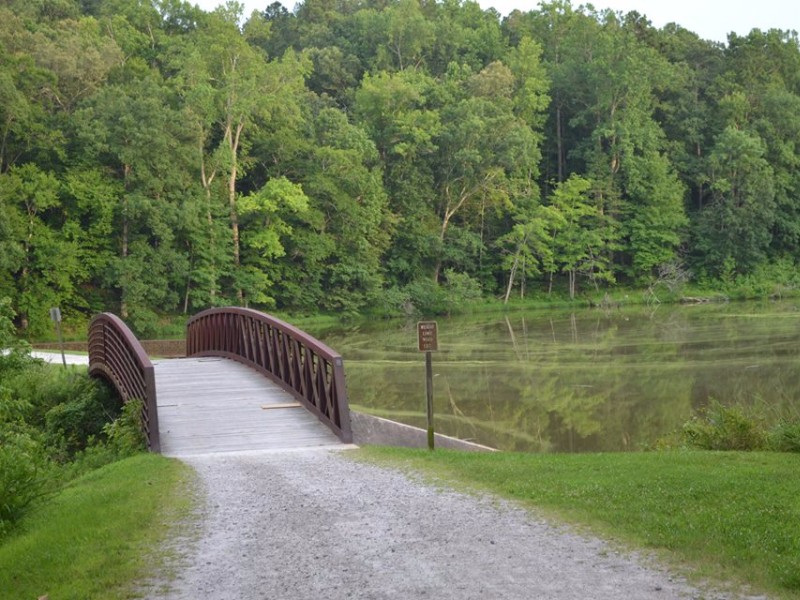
(727, 516)
(100, 536)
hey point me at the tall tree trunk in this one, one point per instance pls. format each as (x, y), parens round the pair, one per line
(123, 304)
(234, 138)
(511, 275)
(437, 269)
(699, 187)
(188, 281)
(450, 209)
(207, 180)
(559, 144)
(572, 277)
(24, 316)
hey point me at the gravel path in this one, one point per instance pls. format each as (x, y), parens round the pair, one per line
(317, 525)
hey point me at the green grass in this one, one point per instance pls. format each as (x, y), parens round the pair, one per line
(100, 536)
(730, 517)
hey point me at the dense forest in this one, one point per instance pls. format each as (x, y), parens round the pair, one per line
(358, 154)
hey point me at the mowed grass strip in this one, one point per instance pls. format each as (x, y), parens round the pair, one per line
(727, 516)
(99, 536)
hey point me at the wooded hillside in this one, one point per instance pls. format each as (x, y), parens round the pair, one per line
(158, 159)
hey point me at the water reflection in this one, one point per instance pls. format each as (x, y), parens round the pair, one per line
(588, 380)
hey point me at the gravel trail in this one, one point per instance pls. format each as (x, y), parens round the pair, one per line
(317, 525)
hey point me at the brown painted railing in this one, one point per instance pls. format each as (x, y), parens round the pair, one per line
(116, 355)
(305, 367)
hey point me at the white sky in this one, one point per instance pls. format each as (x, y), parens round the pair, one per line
(710, 19)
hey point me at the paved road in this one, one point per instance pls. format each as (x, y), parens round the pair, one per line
(55, 357)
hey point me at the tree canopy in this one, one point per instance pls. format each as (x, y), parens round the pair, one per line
(157, 159)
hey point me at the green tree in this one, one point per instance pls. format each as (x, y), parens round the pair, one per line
(131, 131)
(397, 111)
(408, 34)
(30, 207)
(761, 94)
(655, 226)
(28, 131)
(687, 109)
(231, 91)
(79, 57)
(265, 212)
(464, 34)
(734, 230)
(487, 156)
(529, 245)
(348, 227)
(582, 242)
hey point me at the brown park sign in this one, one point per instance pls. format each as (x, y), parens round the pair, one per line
(427, 339)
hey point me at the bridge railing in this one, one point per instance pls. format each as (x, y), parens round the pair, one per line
(116, 355)
(305, 367)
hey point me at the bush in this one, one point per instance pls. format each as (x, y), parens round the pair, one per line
(125, 435)
(54, 425)
(23, 475)
(85, 406)
(421, 297)
(766, 280)
(66, 405)
(724, 428)
(785, 437)
(23, 461)
(16, 353)
(461, 290)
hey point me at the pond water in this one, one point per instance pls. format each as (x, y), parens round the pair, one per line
(588, 380)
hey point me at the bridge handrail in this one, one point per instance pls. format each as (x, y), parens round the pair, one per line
(302, 365)
(116, 355)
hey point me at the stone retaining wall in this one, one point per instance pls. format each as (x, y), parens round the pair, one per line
(376, 431)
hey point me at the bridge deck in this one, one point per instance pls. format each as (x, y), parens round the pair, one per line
(214, 405)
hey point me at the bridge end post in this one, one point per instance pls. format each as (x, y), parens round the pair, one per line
(153, 436)
(343, 406)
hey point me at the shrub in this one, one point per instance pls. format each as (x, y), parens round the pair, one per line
(461, 289)
(16, 353)
(67, 405)
(423, 296)
(125, 436)
(23, 474)
(724, 428)
(23, 461)
(85, 406)
(785, 437)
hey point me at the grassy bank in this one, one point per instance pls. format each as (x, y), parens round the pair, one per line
(97, 537)
(730, 517)
(173, 326)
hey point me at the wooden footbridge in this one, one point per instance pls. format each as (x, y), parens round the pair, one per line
(249, 382)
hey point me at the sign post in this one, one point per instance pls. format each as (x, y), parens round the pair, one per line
(55, 317)
(427, 342)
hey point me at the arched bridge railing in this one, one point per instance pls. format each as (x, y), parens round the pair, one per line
(305, 367)
(116, 355)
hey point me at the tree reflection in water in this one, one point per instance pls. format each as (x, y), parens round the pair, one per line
(590, 380)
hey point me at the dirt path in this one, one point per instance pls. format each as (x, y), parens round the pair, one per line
(318, 525)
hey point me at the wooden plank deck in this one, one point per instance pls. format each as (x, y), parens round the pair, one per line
(215, 405)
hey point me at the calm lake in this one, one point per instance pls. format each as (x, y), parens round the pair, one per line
(574, 381)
